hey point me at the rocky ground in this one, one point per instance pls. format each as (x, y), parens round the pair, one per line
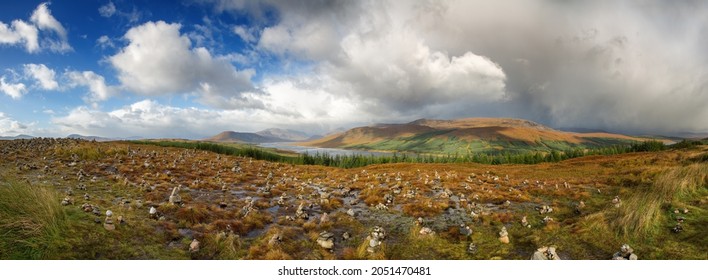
(128, 201)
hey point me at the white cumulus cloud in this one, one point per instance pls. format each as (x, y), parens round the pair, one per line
(11, 127)
(44, 76)
(98, 90)
(14, 90)
(21, 32)
(158, 60)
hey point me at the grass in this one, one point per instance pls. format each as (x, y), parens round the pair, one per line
(31, 220)
(640, 214)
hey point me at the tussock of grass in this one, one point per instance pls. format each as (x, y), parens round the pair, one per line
(31, 220)
(640, 214)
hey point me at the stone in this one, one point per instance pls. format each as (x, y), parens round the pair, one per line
(503, 235)
(326, 240)
(153, 213)
(350, 212)
(109, 213)
(472, 248)
(324, 218)
(625, 253)
(545, 209)
(346, 236)
(381, 206)
(617, 201)
(121, 220)
(300, 212)
(678, 228)
(377, 234)
(275, 239)
(108, 224)
(67, 200)
(194, 246)
(465, 230)
(174, 196)
(525, 222)
(426, 231)
(545, 254)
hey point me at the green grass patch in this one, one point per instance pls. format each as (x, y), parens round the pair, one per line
(31, 220)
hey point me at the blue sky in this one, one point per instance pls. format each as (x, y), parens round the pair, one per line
(191, 69)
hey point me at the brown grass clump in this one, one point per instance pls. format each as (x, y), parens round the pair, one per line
(193, 214)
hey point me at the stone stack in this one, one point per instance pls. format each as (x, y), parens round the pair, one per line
(525, 223)
(545, 254)
(174, 197)
(300, 212)
(503, 235)
(625, 253)
(375, 238)
(326, 240)
(465, 230)
(108, 223)
(616, 201)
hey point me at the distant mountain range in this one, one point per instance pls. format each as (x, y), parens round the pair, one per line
(21, 136)
(265, 136)
(466, 135)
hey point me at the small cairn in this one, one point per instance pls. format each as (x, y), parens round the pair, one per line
(377, 234)
(108, 223)
(679, 224)
(503, 235)
(465, 230)
(525, 223)
(300, 212)
(174, 197)
(616, 201)
(545, 254)
(326, 240)
(153, 212)
(625, 253)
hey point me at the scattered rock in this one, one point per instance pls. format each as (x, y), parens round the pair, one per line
(525, 222)
(617, 201)
(194, 246)
(351, 212)
(153, 212)
(545, 254)
(472, 248)
(174, 197)
(67, 201)
(275, 239)
(375, 238)
(625, 253)
(465, 230)
(426, 231)
(545, 209)
(326, 240)
(300, 212)
(346, 236)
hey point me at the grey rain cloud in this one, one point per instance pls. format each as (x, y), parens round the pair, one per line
(628, 66)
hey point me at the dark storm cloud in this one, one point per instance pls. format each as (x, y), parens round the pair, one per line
(630, 66)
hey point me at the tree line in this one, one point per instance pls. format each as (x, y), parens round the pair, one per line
(353, 161)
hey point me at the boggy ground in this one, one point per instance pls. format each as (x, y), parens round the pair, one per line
(239, 208)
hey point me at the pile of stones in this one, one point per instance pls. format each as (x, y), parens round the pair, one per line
(625, 253)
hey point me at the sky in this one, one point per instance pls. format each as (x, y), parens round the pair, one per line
(194, 68)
